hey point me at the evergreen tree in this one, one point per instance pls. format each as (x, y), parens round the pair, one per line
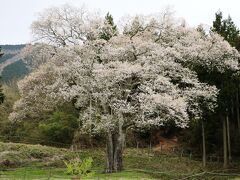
(218, 24)
(229, 86)
(109, 29)
(227, 29)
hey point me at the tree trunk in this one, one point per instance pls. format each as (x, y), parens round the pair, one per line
(203, 146)
(115, 146)
(237, 110)
(90, 120)
(225, 158)
(109, 152)
(228, 140)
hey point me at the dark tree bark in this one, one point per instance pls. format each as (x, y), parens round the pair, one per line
(225, 157)
(115, 147)
(237, 110)
(203, 146)
(228, 140)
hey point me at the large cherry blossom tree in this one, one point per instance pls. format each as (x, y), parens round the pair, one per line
(139, 78)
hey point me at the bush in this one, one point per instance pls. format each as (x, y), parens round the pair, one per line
(79, 168)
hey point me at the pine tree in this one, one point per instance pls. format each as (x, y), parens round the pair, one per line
(229, 86)
(109, 29)
(217, 23)
(227, 29)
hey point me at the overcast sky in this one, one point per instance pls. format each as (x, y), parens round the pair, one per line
(16, 16)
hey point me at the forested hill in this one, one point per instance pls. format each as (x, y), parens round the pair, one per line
(11, 65)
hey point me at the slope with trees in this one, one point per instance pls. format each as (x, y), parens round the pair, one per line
(11, 65)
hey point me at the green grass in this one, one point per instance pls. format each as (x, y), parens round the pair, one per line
(42, 162)
(59, 173)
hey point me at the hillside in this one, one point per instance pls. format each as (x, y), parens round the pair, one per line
(17, 155)
(11, 65)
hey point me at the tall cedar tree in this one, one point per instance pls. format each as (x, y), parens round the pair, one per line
(228, 101)
(227, 29)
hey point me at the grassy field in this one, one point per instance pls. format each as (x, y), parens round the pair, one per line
(21, 161)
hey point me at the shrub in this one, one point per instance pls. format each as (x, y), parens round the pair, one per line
(79, 168)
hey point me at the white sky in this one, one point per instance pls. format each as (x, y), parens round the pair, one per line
(16, 16)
